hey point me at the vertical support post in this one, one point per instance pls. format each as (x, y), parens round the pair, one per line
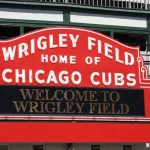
(66, 17)
(112, 34)
(148, 43)
(21, 29)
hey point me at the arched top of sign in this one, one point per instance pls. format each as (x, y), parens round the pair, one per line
(66, 28)
(70, 56)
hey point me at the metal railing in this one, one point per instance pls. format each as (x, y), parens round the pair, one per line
(128, 4)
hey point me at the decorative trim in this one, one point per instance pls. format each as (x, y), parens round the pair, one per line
(75, 118)
(143, 74)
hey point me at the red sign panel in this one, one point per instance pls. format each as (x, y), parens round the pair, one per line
(74, 58)
(65, 56)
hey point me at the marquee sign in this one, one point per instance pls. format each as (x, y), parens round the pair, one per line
(71, 57)
(71, 101)
(67, 57)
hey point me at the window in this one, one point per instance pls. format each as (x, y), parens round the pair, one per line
(127, 147)
(37, 147)
(103, 32)
(29, 29)
(3, 147)
(9, 31)
(95, 147)
(133, 39)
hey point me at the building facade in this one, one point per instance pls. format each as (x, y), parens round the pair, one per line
(125, 21)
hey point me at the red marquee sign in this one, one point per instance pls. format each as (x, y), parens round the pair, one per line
(89, 64)
(73, 58)
(67, 56)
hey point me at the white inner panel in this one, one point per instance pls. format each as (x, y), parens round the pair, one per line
(23, 14)
(108, 20)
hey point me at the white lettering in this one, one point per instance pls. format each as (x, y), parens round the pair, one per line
(90, 42)
(108, 50)
(44, 58)
(20, 76)
(9, 53)
(62, 39)
(92, 78)
(39, 72)
(127, 57)
(64, 80)
(51, 42)
(117, 56)
(88, 60)
(108, 82)
(32, 46)
(23, 47)
(73, 77)
(72, 59)
(74, 40)
(4, 73)
(52, 78)
(53, 59)
(131, 80)
(119, 79)
(41, 43)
